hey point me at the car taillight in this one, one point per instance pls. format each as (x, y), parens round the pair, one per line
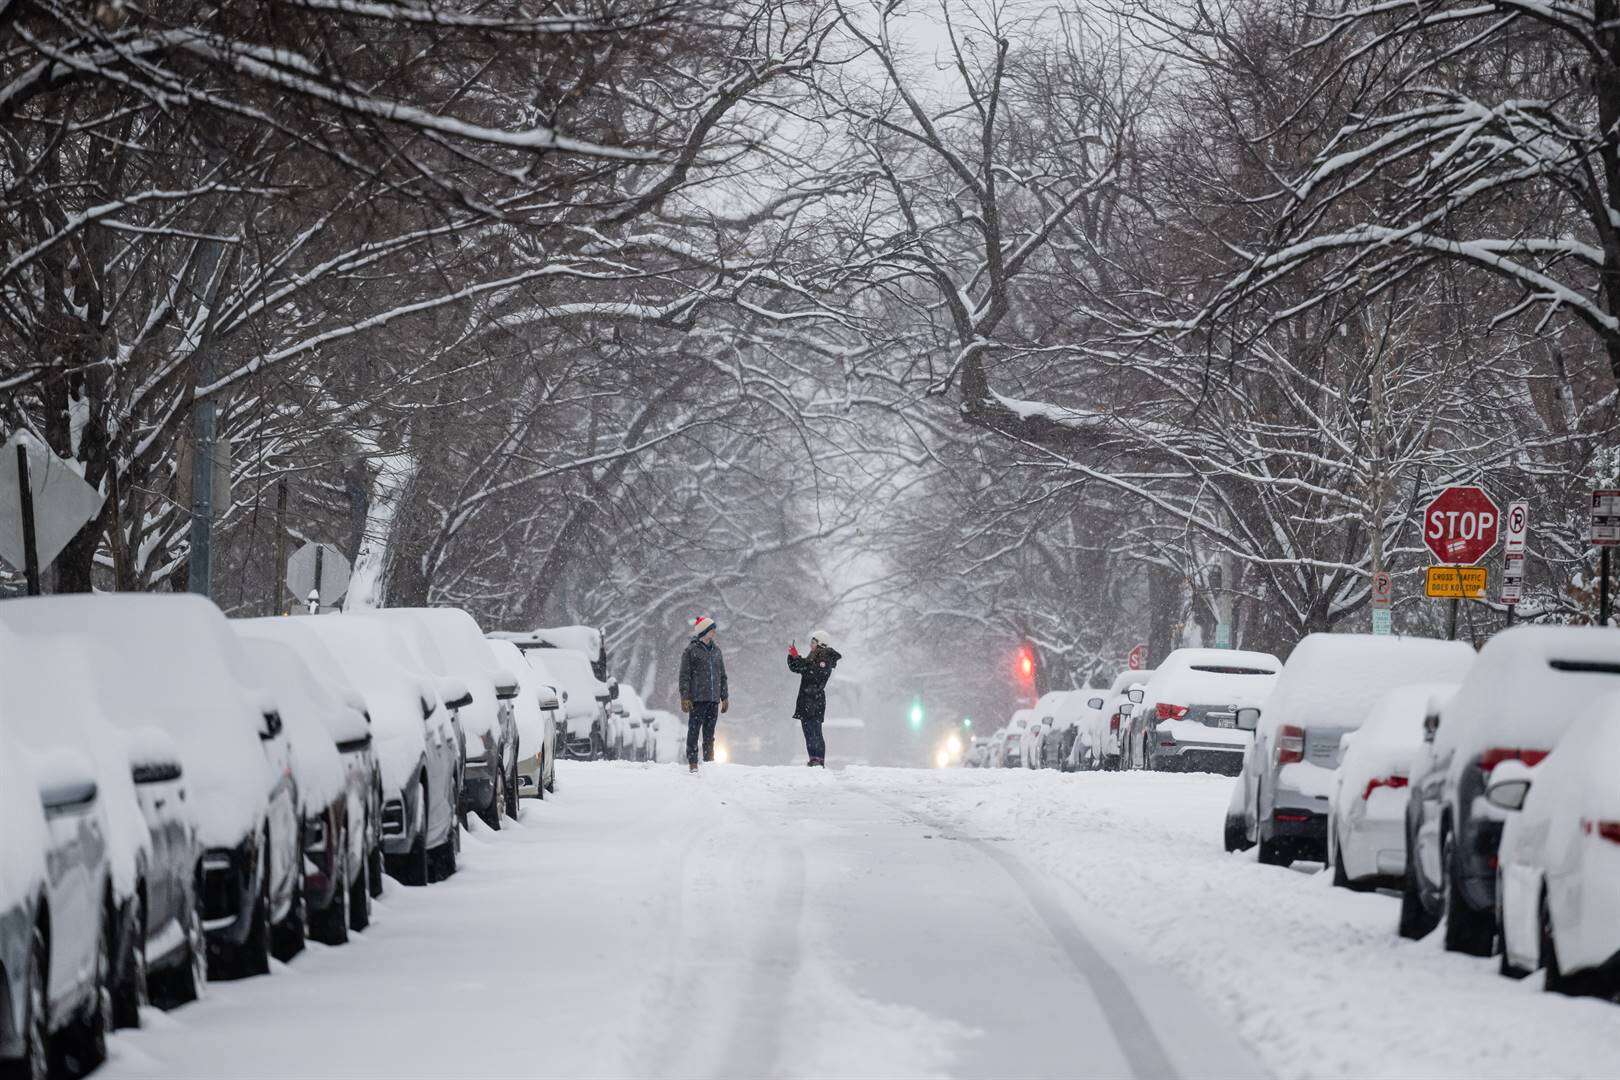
(1113, 722)
(1382, 781)
(1493, 757)
(1171, 712)
(1290, 744)
(1608, 830)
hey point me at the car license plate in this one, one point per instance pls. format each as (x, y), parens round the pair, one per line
(1224, 719)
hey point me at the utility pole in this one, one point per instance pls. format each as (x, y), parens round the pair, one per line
(278, 576)
(204, 416)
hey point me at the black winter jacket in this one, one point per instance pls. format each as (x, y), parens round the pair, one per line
(703, 673)
(813, 670)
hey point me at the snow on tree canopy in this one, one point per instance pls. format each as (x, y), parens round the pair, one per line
(1528, 685)
(1333, 680)
(175, 665)
(370, 653)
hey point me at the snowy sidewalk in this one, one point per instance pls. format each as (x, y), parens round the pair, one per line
(750, 922)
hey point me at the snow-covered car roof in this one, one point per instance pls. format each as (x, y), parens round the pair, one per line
(1020, 720)
(309, 712)
(1333, 680)
(54, 700)
(451, 644)
(175, 665)
(1212, 676)
(1526, 687)
(369, 651)
(1124, 679)
(584, 639)
(326, 670)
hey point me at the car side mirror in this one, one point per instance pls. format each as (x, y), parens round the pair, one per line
(549, 700)
(427, 708)
(67, 793)
(1136, 694)
(1431, 724)
(613, 690)
(1248, 719)
(1126, 708)
(506, 686)
(270, 727)
(1509, 785)
(455, 693)
(1094, 703)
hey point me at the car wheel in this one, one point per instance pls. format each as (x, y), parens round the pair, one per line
(253, 957)
(1237, 835)
(130, 993)
(374, 871)
(512, 791)
(1467, 931)
(1416, 921)
(84, 1041)
(1341, 877)
(36, 1059)
(491, 814)
(330, 925)
(413, 868)
(360, 897)
(442, 861)
(287, 938)
(187, 980)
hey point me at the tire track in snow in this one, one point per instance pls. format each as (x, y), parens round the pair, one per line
(1135, 1035)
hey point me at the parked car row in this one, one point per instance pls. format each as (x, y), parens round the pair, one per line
(186, 796)
(1481, 786)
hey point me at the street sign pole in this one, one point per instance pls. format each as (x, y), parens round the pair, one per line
(25, 494)
(204, 419)
(1603, 588)
(279, 579)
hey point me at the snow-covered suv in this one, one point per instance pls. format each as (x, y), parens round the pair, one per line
(1187, 718)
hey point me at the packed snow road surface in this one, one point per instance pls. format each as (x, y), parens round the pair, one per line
(793, 922)
(745, 922)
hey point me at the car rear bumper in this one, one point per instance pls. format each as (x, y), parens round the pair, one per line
(1179, 756)
(1373, 848)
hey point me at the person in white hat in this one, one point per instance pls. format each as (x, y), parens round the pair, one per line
(811, 708)
(704, 692)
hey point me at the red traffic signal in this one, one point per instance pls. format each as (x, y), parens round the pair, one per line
(1026, 663)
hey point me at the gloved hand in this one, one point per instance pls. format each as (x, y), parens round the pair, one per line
(686, 704)
(725, 704)
(793, 651)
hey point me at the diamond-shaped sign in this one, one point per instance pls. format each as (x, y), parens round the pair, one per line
(63, 502)
(333, 577)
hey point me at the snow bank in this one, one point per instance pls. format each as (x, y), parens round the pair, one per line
(169, 660)
(1333, 680)
(304, 705)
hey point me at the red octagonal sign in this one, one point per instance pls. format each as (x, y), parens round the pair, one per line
(1460, 526)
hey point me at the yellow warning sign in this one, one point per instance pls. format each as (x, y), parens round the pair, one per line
(1456, 582)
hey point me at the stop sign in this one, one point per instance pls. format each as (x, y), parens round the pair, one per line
(1460, 525)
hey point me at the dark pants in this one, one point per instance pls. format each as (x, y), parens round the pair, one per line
(702, 719)
(814, 744)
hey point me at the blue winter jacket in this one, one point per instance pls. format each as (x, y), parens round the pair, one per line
(703, 673)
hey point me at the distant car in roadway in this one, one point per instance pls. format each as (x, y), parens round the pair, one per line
(1186, 720)
(1558, 879)
(1326, 689)
(1529, 684)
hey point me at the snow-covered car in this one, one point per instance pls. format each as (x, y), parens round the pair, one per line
(586, 698)
(56, 911)
(55, 691)
(338, 783)
(1326, 689)
(174, 659)
(1012, 747)
(1101, 734)
(537, 712)
(452, 646)
(1527, 686)
(638, 746)
(416, 737)
(1366, 832)
(669, 736)
(1041, 724)
(1558, 875)
(1075, 712)
(1187, 718)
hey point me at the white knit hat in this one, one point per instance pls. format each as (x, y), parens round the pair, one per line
(821, 636)
(701, 625)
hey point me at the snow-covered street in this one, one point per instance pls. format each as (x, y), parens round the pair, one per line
(779, 921)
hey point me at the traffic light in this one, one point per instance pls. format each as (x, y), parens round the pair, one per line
(916, 715)
(1026, 663)
(967, 721)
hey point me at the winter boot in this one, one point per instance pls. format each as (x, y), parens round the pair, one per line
(692, 765)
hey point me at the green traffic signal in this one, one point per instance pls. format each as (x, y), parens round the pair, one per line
(967, 722)
(916, 715)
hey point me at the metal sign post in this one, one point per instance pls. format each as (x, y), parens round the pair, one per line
(318, 575)
(1605, 535)
(1518, 528)
(25, 495)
